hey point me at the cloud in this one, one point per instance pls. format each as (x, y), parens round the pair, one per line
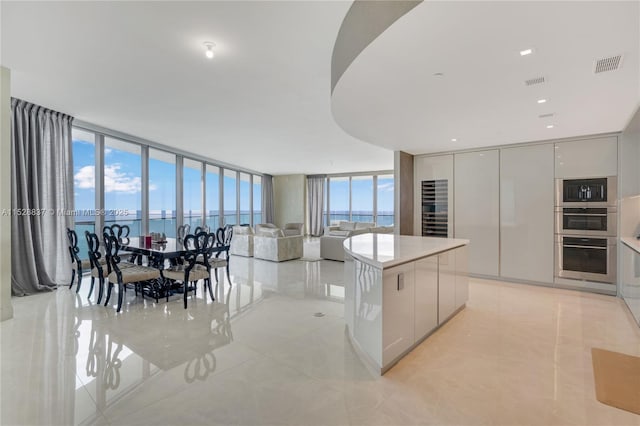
(114, 179)
(107, 151)
(117, 181)
(85, 178)
(386, 187)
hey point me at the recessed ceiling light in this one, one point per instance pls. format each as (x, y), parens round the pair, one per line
(549, 126)
(454, 140)
(526, 52)
(438, 74)
(209, 46)
(541, 101)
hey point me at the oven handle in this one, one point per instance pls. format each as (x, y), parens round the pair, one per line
(586, 247)
(584, 214)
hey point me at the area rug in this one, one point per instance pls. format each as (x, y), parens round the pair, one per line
(617, 378)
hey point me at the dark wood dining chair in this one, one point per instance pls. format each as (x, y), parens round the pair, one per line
(99, 267)
(221, 258)
(77, 264)
(200, 229)
(195, 266)
(137, 275)
(183, 231)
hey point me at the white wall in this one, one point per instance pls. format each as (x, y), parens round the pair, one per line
(289, 196)
(6, 310)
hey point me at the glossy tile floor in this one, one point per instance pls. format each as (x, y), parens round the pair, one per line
(517, 355)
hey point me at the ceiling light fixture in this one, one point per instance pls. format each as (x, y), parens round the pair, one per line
(454, 140)
(541, 101)
(526, 52)
(209, 46)
(549, 126)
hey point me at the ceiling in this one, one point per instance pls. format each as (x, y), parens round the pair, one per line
(390, 96)
(139, 68)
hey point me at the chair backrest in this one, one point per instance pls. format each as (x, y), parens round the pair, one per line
(224, 235)
(72, 238)
(200, 229)
(121, 232)
(183, 231)
(93, 242)
(198, 248)
(111, 249)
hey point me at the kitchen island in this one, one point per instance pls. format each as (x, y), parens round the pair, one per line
(399, 290)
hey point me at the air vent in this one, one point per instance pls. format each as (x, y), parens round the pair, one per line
(536, 80)
(608, 64)
(549, 115)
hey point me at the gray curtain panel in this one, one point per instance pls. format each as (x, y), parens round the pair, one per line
(42, 188)
(268, 213)
(315, 199)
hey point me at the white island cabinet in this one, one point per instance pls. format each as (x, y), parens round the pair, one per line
(398, 290)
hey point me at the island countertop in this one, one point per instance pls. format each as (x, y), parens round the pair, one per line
(387, 250)
(632, 243)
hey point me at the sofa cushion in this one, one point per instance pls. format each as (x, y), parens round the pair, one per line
(338, 233)
(364, 225)
(242, 230)
(347, 226)
(271, 232)
(381, 229)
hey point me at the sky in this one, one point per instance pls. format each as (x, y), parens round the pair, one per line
(123, 183)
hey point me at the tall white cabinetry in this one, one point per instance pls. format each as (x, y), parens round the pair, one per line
(587, 158)
(526, 213)
(432, 168)
(477, 208)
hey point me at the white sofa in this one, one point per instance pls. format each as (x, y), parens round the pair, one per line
(272, 244)
(293, 229)
(242, 241)
(331, 247)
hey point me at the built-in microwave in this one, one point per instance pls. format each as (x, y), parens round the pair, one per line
(592, 221)
(586, 192)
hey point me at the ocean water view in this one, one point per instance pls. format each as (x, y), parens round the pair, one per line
(165, 221)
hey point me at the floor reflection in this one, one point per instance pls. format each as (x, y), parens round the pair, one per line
(98, 364)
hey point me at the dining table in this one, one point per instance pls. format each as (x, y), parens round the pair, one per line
(157, 253)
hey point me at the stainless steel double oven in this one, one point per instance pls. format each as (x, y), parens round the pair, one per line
(586, 227)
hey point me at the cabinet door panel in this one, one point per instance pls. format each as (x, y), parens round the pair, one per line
(446, 285)
(426, 296)
(462, 277)
(526, 213)
(477, 208)
(587, 158)
(397, 311)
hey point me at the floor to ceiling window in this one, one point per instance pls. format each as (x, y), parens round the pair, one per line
(162, 192)
(230, 194)
(212, 218)
(359, 198)
(257, 200)
(384, 200)
(192, 193)
(245, 198)
(123, 184)
(362, 199)
(84, 180)
(338, 198)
